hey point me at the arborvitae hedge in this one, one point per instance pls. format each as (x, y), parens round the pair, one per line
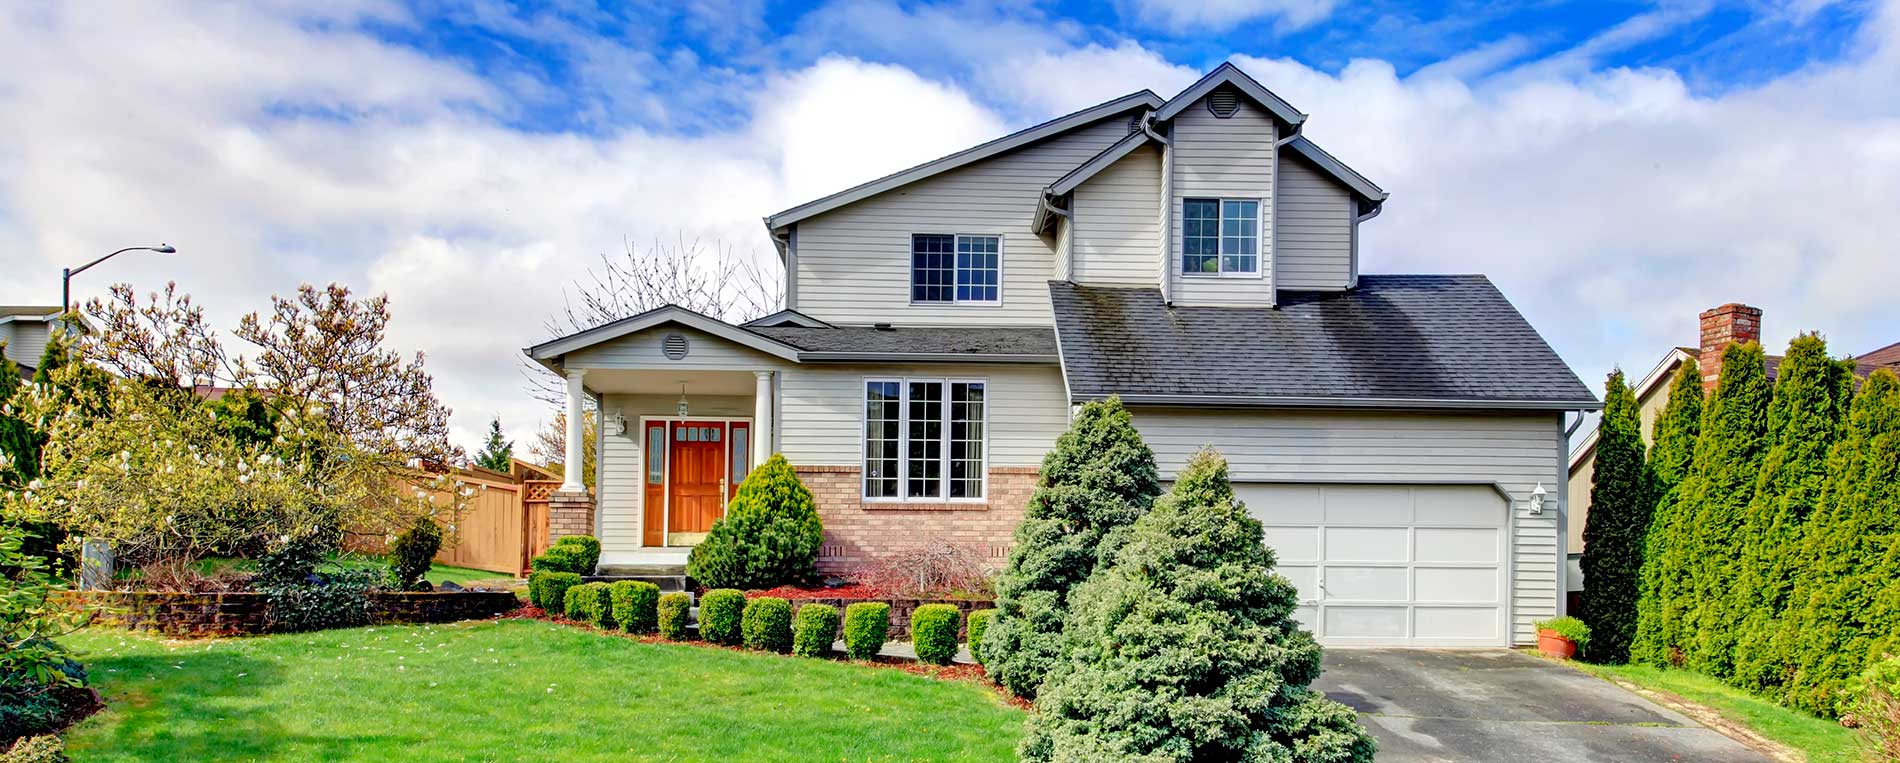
(1099, 478)
(1618, 523)
(1721, 482)
(1845, 562)
(1804, 420)
(1184, 648)
(1665, 565)
(769, 536)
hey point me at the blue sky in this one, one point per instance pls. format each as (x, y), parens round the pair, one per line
(1614, 168)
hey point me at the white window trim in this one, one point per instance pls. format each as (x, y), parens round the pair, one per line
(903, 440)
(910, 270)
(1220, 205)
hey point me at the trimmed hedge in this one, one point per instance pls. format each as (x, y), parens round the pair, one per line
(720, 611)
(548, 590)
(590, 603)
(578, 554)
(866, 625)
(767, 624)
(636, 605)
(675, 610)
(933, 632)
(814, 630)
(979, 625)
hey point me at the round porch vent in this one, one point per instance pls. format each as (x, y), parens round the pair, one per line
(674, 346)
(1223, 103)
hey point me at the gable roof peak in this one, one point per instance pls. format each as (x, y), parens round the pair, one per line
(1230, 75)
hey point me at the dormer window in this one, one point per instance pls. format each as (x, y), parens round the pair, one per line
(1220, 237)
(956, 269)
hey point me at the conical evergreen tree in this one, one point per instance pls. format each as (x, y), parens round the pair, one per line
(497, 453)
(19, 443)
(1659, 612)
(1183, 648)
(1804, 421)
(1614, 533)
(1097, 480)
(769, 536)
(1825, 635)
(1721, 482)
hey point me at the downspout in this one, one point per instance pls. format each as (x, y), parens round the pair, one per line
(788, 250)
(1167, 207)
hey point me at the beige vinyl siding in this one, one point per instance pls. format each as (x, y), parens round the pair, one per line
(1117, 228)
(1312, 229)
(1514, 451)
(854, 262)
(623, 478)
(1065, 248)
(1229, 158)
(643, 350)
(26, 341)
(822, 410)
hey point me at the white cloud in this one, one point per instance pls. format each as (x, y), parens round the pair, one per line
(1221, 15)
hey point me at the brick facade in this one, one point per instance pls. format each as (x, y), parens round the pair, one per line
(570, 513)
(857, 531)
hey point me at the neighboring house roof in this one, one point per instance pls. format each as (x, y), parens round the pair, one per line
(1139, 100)
(1415, 341)
(1885, 356)
(1661, 374)
(10, 313)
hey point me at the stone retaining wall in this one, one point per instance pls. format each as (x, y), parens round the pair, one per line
(205, 615)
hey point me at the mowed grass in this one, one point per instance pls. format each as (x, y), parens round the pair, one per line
(515, 690)
(1824, 741)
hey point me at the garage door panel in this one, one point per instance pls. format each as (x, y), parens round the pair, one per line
(1477, 545)
(1308, 616)
(1366, 583)
(1367, 505)
(1350, 622)
(1455, 505)
(1305, 579)
(1282, 504)
(1367, 544)
(1294, 544)
(1456, 584)
(1455, 623)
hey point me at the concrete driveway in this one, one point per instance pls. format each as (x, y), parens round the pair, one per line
(1504, 707)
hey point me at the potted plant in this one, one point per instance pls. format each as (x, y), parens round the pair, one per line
(1562, 637)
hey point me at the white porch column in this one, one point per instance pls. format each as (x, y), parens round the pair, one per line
(573, 481)
(762, 417)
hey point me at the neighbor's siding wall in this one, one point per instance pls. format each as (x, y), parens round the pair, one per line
(1313, 233)
(854, 262)
(1224, 158)
(1515, 451)
(1118, 230)
(26, 341)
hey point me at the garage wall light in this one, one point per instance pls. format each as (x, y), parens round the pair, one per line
(1537, 498)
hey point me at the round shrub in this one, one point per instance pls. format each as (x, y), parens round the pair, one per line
(46, 748)
(635, 605)
(411, 554)
(719, 613)
(674, 611)
(548, 590)
(586, 551)
(559, 558)
(590, 603)
(769, 536)
(767, 624)
(933, 632)
(866, 625)
(814, 630)
(979, 625)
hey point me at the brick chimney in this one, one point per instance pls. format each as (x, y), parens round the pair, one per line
(1721, 327)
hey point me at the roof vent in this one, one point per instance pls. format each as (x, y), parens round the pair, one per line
(674, 346)
(1223, 103)
(881, 327)
(1134, 122)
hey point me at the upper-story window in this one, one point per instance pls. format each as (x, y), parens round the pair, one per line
(1220, 236)
(956, 269)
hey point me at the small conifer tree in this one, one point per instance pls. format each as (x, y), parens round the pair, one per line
(1184, 648)
(497, 452)
(1618, 523)
(1665, 568)
(1721, 483)
(769, 536)
(1096, 481)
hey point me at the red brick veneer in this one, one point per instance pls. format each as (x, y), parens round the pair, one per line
(858, 532)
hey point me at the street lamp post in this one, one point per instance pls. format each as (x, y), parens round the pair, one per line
(66, 274)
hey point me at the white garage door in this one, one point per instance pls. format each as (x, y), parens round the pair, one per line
(1390, 565)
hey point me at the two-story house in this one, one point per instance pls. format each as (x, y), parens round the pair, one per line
(1401, 436)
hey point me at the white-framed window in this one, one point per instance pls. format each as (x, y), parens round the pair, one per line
(956, 268)
(925, 439)
(1220, 236)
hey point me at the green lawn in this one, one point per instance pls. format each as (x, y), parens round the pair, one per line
(515, 690)
(1824, 741)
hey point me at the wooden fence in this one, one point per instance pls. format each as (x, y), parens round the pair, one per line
(504, 524)
(534, 496)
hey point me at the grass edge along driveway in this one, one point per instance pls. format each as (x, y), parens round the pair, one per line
(515, 690)
(1822, 740)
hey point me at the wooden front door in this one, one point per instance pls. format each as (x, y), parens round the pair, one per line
(698, 476)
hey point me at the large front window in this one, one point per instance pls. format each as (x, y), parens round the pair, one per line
(1220, 236)
(924, 439)
(956, 269)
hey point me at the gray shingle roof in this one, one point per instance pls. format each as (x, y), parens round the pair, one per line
(32, 311)
(1026, 342)
(1394, 340)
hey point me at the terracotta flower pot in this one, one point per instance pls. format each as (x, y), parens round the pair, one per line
(1554, 645)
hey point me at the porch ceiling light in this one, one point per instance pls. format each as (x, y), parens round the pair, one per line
(682, 404)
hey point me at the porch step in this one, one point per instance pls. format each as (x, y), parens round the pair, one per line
(669, 580)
